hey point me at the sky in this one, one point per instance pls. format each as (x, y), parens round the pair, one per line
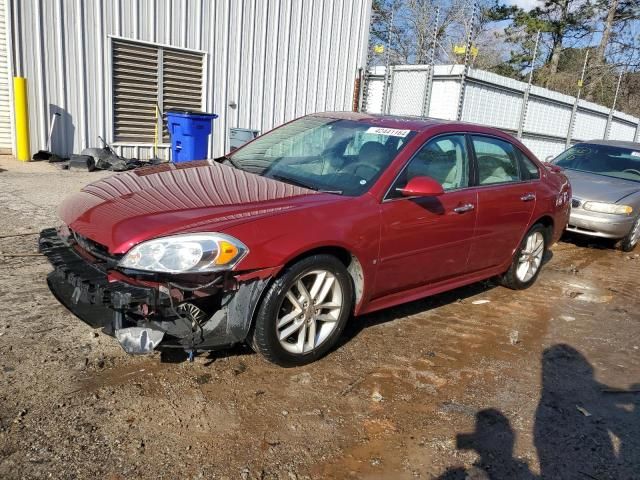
(524, 4)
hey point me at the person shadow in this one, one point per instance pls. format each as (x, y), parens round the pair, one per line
(493, 440)
(583, 429)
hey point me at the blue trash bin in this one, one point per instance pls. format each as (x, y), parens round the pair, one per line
(189, 133)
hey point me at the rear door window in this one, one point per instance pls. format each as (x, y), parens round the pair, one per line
(528, 169)
(498, 160)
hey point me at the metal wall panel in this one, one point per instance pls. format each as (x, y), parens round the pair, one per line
(407, 93)
(621, 130)
(544, 147)
(6, 124)
(589, 126)
(273, 60)
(444, 98)
(491, 106)
(547, 118)
(496, 101)
(375, 94)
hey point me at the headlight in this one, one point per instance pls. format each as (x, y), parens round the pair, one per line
(189, 253)
(602, 207)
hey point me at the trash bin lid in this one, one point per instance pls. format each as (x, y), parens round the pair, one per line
(192, 114)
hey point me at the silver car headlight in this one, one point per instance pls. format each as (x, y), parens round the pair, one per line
(602, 207)
(187, 253)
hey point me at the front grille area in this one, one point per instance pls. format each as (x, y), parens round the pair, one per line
(95, 249)
(87, 280)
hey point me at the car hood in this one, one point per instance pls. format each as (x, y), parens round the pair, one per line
(128, 208)
(600, 188)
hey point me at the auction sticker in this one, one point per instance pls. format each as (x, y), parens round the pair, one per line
(391, 132)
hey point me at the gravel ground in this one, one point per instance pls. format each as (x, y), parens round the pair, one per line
(543, 383)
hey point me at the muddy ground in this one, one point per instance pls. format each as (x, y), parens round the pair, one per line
(526, 384)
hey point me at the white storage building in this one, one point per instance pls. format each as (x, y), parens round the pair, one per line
(104, 65)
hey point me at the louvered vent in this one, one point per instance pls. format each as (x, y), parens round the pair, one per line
(135, 91)
(181, 82)
(137, 87)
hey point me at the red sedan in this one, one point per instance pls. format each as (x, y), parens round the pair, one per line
(283, 241)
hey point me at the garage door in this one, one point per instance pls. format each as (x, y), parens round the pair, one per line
(5, 103)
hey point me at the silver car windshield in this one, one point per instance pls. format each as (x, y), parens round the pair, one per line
(333, 155)
(609, 160)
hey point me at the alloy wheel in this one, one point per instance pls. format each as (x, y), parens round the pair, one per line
(635, 233)
(309, 311)
(530, 257)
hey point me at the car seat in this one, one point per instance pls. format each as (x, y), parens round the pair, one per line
(441, 166)
(493, 169)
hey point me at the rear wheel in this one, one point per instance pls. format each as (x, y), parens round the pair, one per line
(629, 242)
(304, 311)
(527, 260)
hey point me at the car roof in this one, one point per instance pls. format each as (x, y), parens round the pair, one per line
(613, 143)
(418, 124)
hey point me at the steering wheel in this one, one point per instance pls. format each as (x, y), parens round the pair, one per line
(353, 168)
(632, 170)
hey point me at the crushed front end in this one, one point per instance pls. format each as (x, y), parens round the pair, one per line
(145, 310)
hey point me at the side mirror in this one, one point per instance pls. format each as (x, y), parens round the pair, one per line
(548, 159)
(422, 187)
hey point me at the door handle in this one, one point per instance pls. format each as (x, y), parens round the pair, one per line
(527, 197)
(467, 207)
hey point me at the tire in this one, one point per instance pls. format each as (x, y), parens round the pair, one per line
(276, 315)
(628, 243)
(513, 278)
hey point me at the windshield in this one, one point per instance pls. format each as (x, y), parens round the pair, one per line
(326, 154)
(606, 160)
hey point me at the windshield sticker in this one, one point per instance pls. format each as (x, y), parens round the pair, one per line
(635, 154)
(391, 132)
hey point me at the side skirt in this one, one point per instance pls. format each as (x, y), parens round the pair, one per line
(431, 289)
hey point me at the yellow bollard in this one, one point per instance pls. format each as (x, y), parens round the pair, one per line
(21, 110)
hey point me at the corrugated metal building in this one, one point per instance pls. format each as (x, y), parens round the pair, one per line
(103, 65)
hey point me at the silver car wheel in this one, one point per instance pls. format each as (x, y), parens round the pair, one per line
(635, 233)
(530, 257)
(309, 311)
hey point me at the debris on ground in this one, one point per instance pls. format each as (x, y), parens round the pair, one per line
(583, 411)
(480, 302)
(106, 158)
(376, 396)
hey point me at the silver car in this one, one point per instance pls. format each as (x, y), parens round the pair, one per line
(605, 179)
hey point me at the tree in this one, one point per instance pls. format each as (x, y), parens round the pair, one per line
(505, 37)
(562, 23)
(616, 17)
(407, 26)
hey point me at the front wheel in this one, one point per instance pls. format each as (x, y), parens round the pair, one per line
(629, 242)
(527, 260)
(304, 311)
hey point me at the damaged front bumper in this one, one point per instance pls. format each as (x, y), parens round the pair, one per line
(144, 313)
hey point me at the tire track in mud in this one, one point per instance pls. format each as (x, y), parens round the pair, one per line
(469, 348)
